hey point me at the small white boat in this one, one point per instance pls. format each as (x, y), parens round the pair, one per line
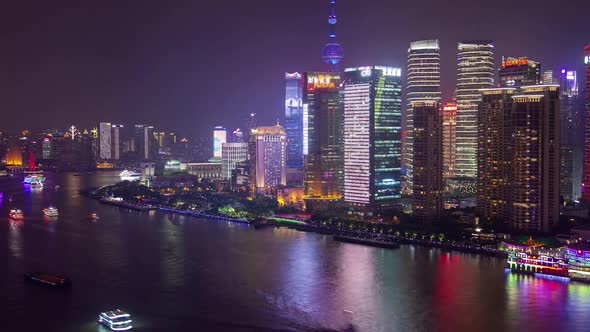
(94, 216)
(116, 320)
(51, 211)
(128, 175)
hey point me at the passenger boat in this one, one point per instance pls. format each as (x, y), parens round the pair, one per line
(116, 320)
(50, 211)
(34, 179)
(48, 280)
(16, 214)
(532, 258)
(94, 216)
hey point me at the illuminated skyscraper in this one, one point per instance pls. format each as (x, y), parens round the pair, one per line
(116, 141)
(219, 137)
(294, 119)
(518, 157)
(145, 141)
(423, 83)
(548, 77)
(571, 139)
(270, 153)
(449, 139)
(372, 136)
(428, 188)
(586, 189)
(322, 127)
(231, 155)
(475, 72)
(494, 176)
(105, 141)
(535, 161)
(516, 72)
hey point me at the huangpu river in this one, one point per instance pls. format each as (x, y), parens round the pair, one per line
(181, 273)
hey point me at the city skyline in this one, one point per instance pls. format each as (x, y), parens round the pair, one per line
(143, 68)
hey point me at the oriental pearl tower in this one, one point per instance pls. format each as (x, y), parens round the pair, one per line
(332, 52)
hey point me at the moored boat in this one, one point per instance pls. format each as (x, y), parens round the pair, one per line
(16, 214)
(48, 279)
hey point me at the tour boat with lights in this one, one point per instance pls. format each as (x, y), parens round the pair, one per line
(51, 211)
(34, 180)
(129, 175)
(532, 258)
(16, 214)
(48, 280)
(116, 320)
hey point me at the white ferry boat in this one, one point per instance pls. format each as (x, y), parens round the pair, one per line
(16, 214)
(116, 320)
(51, 211)
(129, 175)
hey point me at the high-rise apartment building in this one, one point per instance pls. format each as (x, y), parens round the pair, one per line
(423, 83)
(475, 71)
(586, 188)
(294, 119)
(372, 136)
(449, 137)
(270, 152)
(116, 141)
(428, 161)
(232, 154)
(518, 157)
(144, 141)
(105, 141)
(322, 130)
(535, 162)
(516, 72)
(494, 176)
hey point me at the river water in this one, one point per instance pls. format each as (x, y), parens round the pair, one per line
(180, 273)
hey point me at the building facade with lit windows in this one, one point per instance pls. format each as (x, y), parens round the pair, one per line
(516, 72)
(535, 158)
(322, 132)
(428, 161)
(270, 153)
(519, 157)
(423, 83)
(145, 143)
(494, 158)
(231, 155)
(372, 136)
(294, 118)
(105, 139)
(586, 189)
(449, 138)
(571, 136)
(116, 141)
(475, 71)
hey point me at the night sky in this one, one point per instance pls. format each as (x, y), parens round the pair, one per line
(190, 65)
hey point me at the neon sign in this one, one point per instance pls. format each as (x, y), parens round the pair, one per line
(515, 62)
(321, 82)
